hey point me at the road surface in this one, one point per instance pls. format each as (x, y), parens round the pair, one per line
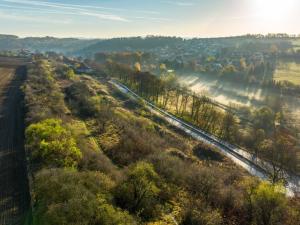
(14, 194)
(253, 165)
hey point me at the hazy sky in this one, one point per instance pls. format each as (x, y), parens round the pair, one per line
(115, 18)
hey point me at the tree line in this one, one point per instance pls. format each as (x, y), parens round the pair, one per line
(99, 158)
(165, 92)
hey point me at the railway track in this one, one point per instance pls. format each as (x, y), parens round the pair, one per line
(14, 194)
(253, 165)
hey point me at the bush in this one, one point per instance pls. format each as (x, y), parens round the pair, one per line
(70, 74)
(50, 144)
(134, 144)
(207, 217)
(42, 94)
(79, 96)
(269, 204)
(171, 168)
(98, 161)
(139, 193)
(68, 197)
(206, 152)
(203, 183)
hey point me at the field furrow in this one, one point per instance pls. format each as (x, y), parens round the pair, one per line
(14, 197)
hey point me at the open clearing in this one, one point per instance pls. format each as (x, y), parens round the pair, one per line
(296, 44)
(228, 93)
(14, 195)
(288, 71)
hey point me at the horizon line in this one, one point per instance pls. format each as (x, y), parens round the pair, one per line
(289, 35)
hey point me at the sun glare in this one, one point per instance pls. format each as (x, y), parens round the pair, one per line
(274, 10)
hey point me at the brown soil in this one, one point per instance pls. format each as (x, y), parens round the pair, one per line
(14, 194)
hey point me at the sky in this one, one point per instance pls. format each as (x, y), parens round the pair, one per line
(123, 18)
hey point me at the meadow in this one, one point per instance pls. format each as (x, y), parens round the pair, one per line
(296, 44)
(288, 71)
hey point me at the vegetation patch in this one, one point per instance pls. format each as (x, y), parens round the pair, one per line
(288, 72)
(97, 162)
(205, 152)
(51, 145)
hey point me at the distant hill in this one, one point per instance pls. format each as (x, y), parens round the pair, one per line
(86, 47)
(162, 45)
(157, 44)
(43, 44)
(131, 44)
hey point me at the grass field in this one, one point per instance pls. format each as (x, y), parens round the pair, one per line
(296, 44)
(288, 71)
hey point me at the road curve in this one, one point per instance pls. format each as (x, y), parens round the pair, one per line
(252, 164)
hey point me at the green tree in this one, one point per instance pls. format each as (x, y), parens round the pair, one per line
(67, 197)
(50, 144)
(70, 74)
(199, 217)
(259, 137)
(281, 154)
(229, 127)
(269, 204)
(139, 193)
(264, 119)
(210, 59)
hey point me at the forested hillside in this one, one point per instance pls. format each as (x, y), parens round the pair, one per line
(261, 131)
(161, 112)
(132, 44)
(174, 50)
(98, 157)
(45, 44)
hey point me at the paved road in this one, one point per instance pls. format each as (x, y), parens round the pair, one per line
(14, 194)
(253, 165)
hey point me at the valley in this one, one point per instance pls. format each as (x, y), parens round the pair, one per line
(242, 95)
(128, 112)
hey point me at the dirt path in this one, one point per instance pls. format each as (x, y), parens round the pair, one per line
(14, 197)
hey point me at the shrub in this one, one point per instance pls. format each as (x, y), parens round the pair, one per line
(139, 193)
(79, 96)
(269, 204)
(80, 198)
(50, 144)
(42, 94)
(207, 217)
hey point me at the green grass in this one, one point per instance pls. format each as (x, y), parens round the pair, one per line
(289, 71)
(296, 44)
